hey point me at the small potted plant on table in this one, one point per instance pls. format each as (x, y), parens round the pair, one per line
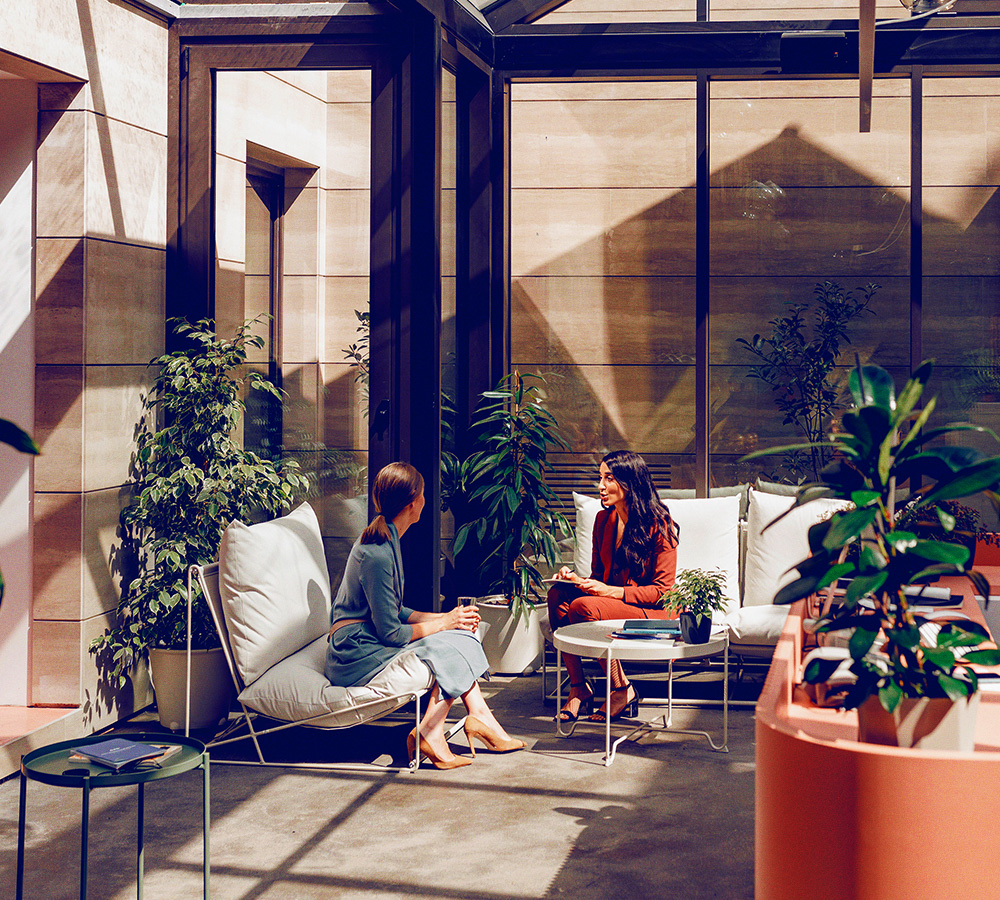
(696, 594)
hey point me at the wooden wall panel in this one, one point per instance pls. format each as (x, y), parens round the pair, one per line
(596, 11)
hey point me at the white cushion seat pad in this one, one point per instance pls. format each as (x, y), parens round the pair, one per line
(756, 626)
(296, 689)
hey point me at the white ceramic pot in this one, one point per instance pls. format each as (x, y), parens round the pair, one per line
(211, 687)
(513, 647)
(926, 723)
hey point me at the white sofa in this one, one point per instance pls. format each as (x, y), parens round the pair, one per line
(728, 531)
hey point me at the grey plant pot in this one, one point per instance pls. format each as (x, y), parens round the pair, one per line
(211, 687)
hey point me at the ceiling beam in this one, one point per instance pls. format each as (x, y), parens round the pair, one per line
(502, 14)
(549, 51)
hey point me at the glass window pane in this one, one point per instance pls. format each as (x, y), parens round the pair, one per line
(800, 198)
(602, 265)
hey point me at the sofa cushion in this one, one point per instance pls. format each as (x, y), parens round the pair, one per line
(727, 490)
(587, 509)
(275, 589)
(296, 689)
(755, 626)
(710, 539)
(772, 553)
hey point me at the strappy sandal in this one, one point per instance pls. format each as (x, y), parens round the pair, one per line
(630, 710)
(586, 705)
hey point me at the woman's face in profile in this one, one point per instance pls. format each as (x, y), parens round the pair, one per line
(611, 491)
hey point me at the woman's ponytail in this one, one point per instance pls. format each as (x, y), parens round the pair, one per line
(396, 486)
(377, 531)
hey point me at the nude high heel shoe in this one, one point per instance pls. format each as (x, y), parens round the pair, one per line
(489, 738)
(456, 762)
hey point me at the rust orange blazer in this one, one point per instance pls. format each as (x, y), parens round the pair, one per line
(604, 567)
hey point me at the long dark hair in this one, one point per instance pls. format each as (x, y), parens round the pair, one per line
(396, 486)
(647, 514)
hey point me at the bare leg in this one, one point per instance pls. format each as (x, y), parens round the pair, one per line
(432, 723)
(621, 688)
(578, 691)
(475, 703)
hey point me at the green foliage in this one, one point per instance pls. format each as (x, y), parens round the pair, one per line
(511, 517)
(21, 441)
(358, 352)
(192, 479)
(883, 442)
(799, 369)
(696, 591)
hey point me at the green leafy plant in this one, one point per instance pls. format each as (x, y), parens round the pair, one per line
(358, 353)
(882, 443)
(798, 361)
(697, 592)
(512, 515)
(192, 478)
(21, 441)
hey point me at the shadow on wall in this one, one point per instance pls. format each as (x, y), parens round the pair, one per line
(784, 217)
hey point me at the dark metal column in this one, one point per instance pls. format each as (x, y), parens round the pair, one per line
(702, 288)
(419, 385)
(916, 217)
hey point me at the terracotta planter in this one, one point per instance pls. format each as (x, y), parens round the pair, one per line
(926, 723)
(512, 647)
(211, 687)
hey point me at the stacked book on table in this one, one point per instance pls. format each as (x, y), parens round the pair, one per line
(649, 629)
(118, 753)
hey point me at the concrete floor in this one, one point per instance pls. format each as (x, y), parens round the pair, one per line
(670, 818)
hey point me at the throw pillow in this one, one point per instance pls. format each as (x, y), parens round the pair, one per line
(587, 509)
(773, 553)
(710, 539)
(275, 589)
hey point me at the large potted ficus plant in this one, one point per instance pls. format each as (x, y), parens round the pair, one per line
(511, 516)
(192, 477)
(902, 663)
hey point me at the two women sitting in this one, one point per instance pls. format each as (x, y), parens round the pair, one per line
(634, 561)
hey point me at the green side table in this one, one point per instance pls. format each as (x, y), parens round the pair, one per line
(52, 765)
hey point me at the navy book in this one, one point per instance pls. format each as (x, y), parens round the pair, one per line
(116, 753)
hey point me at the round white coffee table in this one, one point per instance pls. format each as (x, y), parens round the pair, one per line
(594, 640)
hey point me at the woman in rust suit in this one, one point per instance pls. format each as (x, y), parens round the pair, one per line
(634, 562)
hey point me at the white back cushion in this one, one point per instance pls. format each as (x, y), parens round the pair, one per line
(710, 539)
(275, 589)
(587, 509)
(772, 552)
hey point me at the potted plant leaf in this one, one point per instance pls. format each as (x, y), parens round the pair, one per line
(902, 662)
(191, 479)
(696, 594)
(511, 515)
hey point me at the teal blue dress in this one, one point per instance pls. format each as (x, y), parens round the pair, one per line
(372, 590)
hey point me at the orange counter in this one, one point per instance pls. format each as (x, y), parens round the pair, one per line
(836, 818)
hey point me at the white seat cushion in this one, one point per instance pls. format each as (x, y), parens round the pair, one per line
(297, 689)
(772, 552)
(710, 539)
(275, 589)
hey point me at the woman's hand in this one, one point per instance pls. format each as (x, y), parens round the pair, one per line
(599, 589)
(462, 618)
(567, 574)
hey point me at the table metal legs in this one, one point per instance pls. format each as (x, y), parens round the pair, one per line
(140, 838)
(667, 719)
(19, 894)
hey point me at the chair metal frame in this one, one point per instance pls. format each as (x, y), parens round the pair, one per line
(207, 578)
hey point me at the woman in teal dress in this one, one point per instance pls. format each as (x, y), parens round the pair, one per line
(370, 627)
